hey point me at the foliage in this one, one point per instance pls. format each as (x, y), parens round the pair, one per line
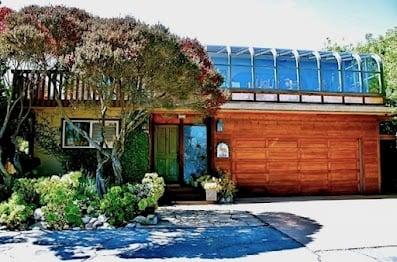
(71, 159)
(119, 205)
(15, 213)
(87, 196)
(26, 189)
(135, 159)
(386, 47)
(156, 187)
(4, 12)
(147, 65)
(227, 186)
(58, 197)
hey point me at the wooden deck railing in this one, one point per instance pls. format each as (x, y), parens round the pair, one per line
(46, 86)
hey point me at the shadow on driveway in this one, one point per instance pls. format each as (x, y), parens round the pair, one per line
(173, 242)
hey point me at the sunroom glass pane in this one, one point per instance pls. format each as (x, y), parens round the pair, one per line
(371, 83)
(264, 77)
(241, 77)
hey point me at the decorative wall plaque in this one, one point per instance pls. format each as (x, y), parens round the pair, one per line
(222, 150)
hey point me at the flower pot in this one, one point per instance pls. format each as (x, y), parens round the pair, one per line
(226, 200)
(210, 194)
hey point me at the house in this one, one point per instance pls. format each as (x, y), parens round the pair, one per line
(297, 122)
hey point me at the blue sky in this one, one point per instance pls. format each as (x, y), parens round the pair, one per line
(303, 24)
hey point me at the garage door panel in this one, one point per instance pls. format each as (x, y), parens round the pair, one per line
(314, 176)
(282, 166)
(345, 175)
(344, 186)
(289, 143)
(343, 165)
(304, 165)
(313, 143)
(250, 166)
(283, 189)
(284, 177)
(277, 154)
(343, 144)
(253, 179)
(313, 165)
(313, 153)
(343, 153)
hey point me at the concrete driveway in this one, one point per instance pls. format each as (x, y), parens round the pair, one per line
(277, 229)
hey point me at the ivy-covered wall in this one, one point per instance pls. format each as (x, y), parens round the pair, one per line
(56, 160)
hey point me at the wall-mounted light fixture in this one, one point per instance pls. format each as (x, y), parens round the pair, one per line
(219, 125)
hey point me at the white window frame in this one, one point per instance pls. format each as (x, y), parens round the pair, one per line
(91, 121)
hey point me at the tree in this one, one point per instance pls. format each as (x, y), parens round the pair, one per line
(146, 67)
(37, 44)
(137, 66)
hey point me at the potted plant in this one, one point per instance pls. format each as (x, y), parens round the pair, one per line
(227, 189)
(211, 187)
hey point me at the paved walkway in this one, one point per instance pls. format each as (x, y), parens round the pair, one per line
(285, 229)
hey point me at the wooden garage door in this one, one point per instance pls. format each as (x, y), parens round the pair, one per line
(297, 165)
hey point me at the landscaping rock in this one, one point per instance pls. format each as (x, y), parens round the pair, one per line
(102, 218)
(130, 225)
(152, 219)
(89, 226)
(3, 227)
(105, 225)
(97, 224)
(65, 227)
(140, 220)
(86, 219)
(39, 226)
(38, 214)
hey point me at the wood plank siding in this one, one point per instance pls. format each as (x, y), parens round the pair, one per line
(285, 154)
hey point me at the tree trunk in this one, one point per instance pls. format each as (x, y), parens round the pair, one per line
(6, 177)
(100, 182)
(117, 169)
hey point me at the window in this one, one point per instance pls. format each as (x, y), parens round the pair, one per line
(351, 74)
(72, 139)
(264, 69)
(220, 58)
(370, 74)
(286, 68)
(330, 80)
(241, 68)
(308, 71)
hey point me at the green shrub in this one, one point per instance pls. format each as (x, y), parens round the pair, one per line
(87, 196)
(135, 159)
(119, 205)
(156, 186)
(15, 213)
(26, 188)
(58, 195)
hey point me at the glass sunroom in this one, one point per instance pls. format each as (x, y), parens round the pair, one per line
(269, 69)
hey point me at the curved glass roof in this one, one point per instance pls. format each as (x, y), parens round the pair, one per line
(297, 70)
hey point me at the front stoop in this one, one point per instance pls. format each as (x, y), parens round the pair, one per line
(179, 193)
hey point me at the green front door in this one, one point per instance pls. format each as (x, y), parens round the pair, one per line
(166, 152)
